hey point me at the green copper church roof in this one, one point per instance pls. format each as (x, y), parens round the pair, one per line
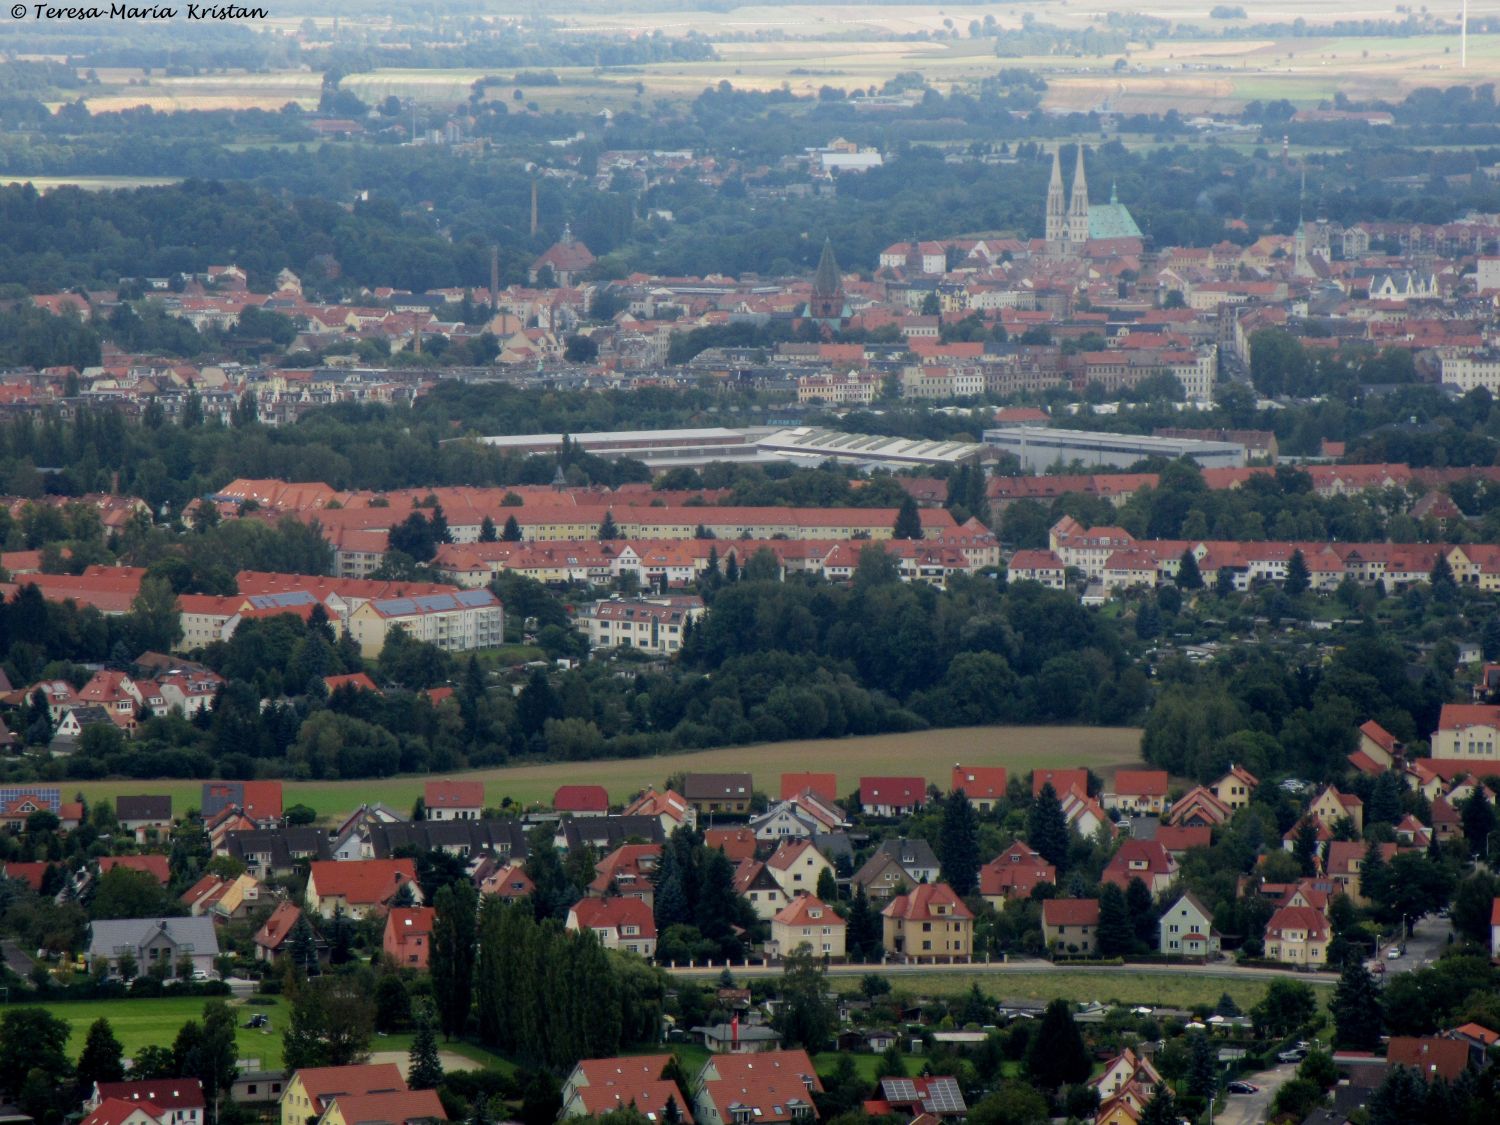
(1112, 219)
(828, 280)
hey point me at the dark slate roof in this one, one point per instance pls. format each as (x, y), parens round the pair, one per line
(605, 833)
(143, 807)
(469, 837)
(287, 846)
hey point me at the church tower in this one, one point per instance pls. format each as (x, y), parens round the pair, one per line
(828, 304)
(1057, 208)
(1078, 207)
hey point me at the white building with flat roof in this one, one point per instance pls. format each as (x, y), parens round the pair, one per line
(1039, 449)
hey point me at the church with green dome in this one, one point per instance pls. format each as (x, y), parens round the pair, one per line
(1073, 222)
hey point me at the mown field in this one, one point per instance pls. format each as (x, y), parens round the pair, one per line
(930, 754)
(1125, 985)
(140, 1022)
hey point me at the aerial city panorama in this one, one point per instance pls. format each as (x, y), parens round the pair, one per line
(700, 562)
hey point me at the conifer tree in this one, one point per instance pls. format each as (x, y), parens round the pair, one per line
(958, 844)
(1047, 827)
(1114, 935)
(908, 520)
(424, 1064)
(1356, 1008)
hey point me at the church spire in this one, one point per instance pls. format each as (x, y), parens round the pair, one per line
(828, 281)
(1078, 207)
(1057, 204)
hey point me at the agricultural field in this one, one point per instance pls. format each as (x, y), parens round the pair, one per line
(45, 184)
(853, 47)
(929, 753)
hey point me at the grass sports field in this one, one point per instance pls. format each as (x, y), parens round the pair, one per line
(931, 754)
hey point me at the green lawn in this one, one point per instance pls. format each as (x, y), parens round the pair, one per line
(138, 1023)
(1124, 986)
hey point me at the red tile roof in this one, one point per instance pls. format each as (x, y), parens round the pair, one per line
(1061, 780)
(278, 925)
(394, 1108)
(168, 1093)
(979, 782)
(1456, 716)
(365, 882)
(898, 792)
(453, 794)
(1298, 918)
(624, 1069)
(736, 843)
(115, 1111)
(581, 798)
(801, 911)
(154, 865)
(648, 1097)
(613, 914)
(825, 785)
(1141, 783)
(1431, 1057)
(323, 1083)
(918, 906)
(1070, 912)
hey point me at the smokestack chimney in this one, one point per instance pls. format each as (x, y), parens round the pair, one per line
(494, 278)
(533, 208)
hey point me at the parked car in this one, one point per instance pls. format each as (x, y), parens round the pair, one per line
(1243, 1088)
(1292, 1055)
(1393, 953)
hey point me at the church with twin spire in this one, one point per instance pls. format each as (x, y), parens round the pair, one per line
(1076, 228)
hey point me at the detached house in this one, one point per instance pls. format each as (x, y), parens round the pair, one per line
(408, 935)
(311, 1090)
(1070, 925)
(983, 785)
(796, 866)
(764, 1088)
(1138, 792)
(621, 923)
(1187, 930)
(153, 941)
(581, 800)
(931, 923)
(361, 887)
(808, 921)
(727, 793)
(1331, 806)
(453, 800)
(1013, 875)
(1234, 789)
(168, 1101)
(144, 816)
(892, 796)
(1146, 860)
(1298, 935)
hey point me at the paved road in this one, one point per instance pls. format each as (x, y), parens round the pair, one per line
(1428, 940)
(1223, 969)
(1255, 1109)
